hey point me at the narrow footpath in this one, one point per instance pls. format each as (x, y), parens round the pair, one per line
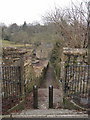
(43, 92)
(50, 78)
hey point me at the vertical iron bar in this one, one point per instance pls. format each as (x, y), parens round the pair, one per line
(72, 77)
(20, 84)
(17, 80)
(9, 81)
(88, 77)
(81, 80)
(6, 81)
(68, 91)
(12, 81)
(84, 80)
(75, 78)
(65, 84)
(3, 82)
(3, 71)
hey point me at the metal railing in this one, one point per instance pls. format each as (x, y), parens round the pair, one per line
(77, 81)
(11, 81)
(11, 86)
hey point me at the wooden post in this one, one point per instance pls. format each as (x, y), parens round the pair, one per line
(35, 97)
(50, 96)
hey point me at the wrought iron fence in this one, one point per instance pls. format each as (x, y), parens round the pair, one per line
(11, 81)
(76, 81)
(11, 86)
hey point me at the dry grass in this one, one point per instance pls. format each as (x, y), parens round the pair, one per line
(5, 43)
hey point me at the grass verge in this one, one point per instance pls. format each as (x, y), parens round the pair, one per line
(17, 108)
(67, 104)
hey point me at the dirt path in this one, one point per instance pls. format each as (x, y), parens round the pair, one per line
(43, 92)
(49, 78)
(43, 98)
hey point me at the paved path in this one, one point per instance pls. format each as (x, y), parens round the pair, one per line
(43, 98)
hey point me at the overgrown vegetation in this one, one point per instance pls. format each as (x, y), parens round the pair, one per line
(56, 58)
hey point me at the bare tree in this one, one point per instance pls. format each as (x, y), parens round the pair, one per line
(71, 24)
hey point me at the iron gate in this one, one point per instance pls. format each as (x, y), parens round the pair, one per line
(11, 86)
(76, 81)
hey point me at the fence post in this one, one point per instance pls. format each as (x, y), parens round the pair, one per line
(35, 97)
(20, 85)
(50, 96)
(22, 74)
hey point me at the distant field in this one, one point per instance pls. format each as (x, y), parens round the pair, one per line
(5, 43)
(42, 51)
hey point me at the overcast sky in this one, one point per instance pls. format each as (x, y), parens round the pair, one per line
(18, 11)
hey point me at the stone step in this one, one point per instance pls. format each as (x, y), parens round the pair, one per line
(50, 113)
